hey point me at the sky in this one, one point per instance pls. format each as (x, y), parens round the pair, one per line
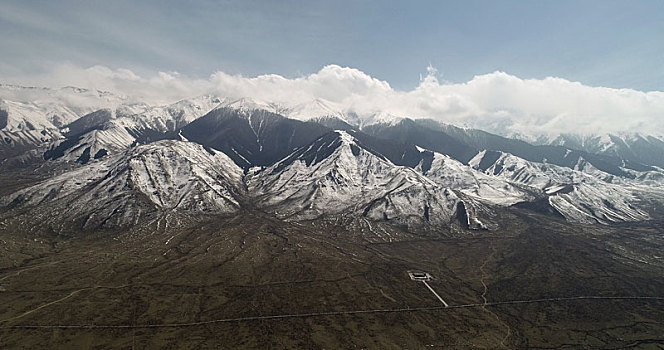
(611, 50)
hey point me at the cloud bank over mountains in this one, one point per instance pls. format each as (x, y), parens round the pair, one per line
(496, 102)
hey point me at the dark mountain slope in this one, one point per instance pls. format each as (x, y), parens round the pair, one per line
(252, 138)
(463, 144)
(409, 131)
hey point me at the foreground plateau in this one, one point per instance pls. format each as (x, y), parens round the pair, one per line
(253, 280)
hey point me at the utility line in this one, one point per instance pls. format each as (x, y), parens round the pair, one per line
(336, 313)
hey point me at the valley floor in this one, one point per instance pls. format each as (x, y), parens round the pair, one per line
(252, 281)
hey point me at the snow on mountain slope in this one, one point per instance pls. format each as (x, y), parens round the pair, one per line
(336, 174)
(40, 108)
(634, 147)
(110, 131)
(94, 144)
(24, 116)
(452, 174)
(17, 142)
(312, 110)
(317, 108)
(34, 117)
(578, 196)
(140, 117)
(380, 118)
(165, 118)
(162, 176)
(246, 105)
(24, 126)
(653, 178)
(309, 172)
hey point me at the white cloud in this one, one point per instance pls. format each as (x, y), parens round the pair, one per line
(496, 102)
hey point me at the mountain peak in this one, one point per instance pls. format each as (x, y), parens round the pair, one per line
(248, 104)
(316, 108)
(381, 117)
(337, 174)
(345, 137)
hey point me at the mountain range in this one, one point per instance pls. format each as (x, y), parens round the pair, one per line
(83, 158)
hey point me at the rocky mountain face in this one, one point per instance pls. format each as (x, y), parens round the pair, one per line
(122, 189)
(579, 195)
(124, 163)
(338, 174)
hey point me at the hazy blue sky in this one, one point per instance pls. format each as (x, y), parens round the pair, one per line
(600, 43)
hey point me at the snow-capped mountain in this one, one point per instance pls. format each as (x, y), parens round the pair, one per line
(248, 105)
(338, 174)
(451, 173)
(578, 195)
(37, 108)
(31, 117)
(109, 131)
(165, 118)
(464, 143)
(631, 147)
(381, 118)
(163, 176)
(317, 108)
